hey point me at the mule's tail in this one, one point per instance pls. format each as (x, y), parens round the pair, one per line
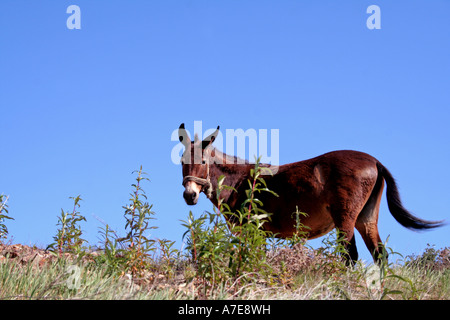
(396, 208)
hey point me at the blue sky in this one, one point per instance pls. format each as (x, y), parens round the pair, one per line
(81, 109)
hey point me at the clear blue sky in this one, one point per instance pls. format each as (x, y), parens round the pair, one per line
(81, 109)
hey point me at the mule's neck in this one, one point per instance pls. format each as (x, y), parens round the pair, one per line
(235, 175)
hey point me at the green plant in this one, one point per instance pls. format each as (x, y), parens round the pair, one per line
(138, 215)
(301, 234)
(3, 217)
(207, 245)
(133, 252)
(333, 251)
(230, 245)
(168, 257)
(136, 253)
(110, 255)
(68, 238)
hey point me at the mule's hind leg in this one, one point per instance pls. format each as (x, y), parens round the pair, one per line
(367, 222)
(351, 196)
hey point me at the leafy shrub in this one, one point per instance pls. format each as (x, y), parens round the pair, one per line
(138, 247)
(136, 253)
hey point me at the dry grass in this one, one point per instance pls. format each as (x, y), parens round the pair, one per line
(297, 273)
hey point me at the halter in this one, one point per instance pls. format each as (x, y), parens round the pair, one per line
(205, 183)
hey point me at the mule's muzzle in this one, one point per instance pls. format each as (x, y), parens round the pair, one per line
(191, 197)
(195, 185)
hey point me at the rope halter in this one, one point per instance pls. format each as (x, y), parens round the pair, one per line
(205, 183)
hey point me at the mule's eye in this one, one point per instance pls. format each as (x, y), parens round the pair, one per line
(203, 162)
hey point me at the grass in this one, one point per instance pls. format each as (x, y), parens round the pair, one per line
(54, 281)
(227, 256)
(315, 278)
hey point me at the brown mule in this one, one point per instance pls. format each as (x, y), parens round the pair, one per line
(340, 189)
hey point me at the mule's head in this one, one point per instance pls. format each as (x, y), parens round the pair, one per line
(195, 164)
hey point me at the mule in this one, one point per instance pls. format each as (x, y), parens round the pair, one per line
(339, 189)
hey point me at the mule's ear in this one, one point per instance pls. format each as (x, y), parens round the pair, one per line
(182, 135)
(210, 139)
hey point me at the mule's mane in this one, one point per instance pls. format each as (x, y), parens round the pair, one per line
(223, 158)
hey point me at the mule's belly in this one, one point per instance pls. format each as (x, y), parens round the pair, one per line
(318, 222)
(314, 224)
(322, 230)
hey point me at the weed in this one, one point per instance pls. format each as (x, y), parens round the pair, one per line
(301, 234)
(169, 258)
(4, 216)
(68, 238)
(138, 247)
(110, 255)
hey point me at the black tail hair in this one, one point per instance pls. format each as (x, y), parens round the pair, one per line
(396, 208)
